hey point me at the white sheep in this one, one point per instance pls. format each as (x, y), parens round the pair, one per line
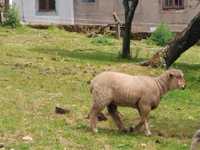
(114, 89)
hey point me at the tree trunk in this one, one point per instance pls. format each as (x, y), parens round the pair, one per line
(169, 54)
(130, 7)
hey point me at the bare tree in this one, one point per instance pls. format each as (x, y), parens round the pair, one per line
(169, 54)
(129, 7)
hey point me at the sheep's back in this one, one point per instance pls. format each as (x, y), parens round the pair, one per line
(124, 86)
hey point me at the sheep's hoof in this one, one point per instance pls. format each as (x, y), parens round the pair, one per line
(95, 130)
(148, 133)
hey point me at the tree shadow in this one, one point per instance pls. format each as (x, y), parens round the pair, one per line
(86, 54)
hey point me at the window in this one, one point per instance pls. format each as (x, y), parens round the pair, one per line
(88, 1)
(47, 5)
(173, 4)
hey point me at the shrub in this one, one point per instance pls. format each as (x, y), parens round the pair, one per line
(12, 17)
(103, 40)
(161, 36)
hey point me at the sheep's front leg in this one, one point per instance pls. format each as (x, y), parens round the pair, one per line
(144, 110)
(93, 121)
(147, 130)
(93, 116)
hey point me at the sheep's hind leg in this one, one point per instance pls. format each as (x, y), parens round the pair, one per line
(112, 109)
(147, 131)
(144, 112)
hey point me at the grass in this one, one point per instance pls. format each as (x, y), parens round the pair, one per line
(40, 69)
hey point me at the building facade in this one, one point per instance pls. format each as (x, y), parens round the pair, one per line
(45, 12)
(176, 13)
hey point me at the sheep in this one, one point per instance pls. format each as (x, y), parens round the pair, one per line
(112, 89)
(196, 141)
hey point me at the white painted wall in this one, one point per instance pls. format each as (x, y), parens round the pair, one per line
(10, 2)
(29, 12)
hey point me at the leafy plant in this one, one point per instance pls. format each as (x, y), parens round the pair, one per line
(12, 17)
(161, 36)
(103, 40)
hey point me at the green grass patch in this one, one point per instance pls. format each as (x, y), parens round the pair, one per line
(102, 40)
(40, 69)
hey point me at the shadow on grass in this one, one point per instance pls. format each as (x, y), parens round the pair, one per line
(181, 132)
(86, 54)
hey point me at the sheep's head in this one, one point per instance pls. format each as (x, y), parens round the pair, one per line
(176, 79)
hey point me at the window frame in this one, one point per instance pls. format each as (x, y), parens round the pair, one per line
(88, 1)
(173, 6)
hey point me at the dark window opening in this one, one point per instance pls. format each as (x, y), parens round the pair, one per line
(173, 4)
(47, 5)
(168, 3)
(88, 1)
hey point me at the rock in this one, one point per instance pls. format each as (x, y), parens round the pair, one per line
(60, 110)
(143, 145)
(27, 138)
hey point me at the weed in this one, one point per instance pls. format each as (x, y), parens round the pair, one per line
(161, 36)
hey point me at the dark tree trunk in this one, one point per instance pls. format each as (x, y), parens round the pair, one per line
(129, 7)
(168, 55)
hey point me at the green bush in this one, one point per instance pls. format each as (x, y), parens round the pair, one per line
(161, 36)
(103, 40)
(12, 18)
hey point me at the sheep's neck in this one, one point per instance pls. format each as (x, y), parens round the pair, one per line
(163, 84)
